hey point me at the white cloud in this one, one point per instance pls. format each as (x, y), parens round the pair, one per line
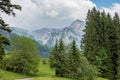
(114, 8)
(52, 13)
(49, 13)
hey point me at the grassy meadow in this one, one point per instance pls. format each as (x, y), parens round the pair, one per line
(45, 73)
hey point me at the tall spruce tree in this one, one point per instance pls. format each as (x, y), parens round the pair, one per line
(73, 61)
(54, 55)
(57, 58)
(61, 58)
(100, 42)
(116, 22)
(92, 38)
(113, 57)
(77, 65)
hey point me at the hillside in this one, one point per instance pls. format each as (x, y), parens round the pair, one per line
(45, 38)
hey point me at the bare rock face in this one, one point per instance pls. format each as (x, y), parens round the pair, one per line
(48, 36)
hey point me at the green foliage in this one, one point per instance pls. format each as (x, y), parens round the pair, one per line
(61, 62)
(45, 73)
(78, 66)
(70, 63)
(101, 42)
(54, 56)
(24, 57)
(43, 49)
(57, 58)
(8, 8)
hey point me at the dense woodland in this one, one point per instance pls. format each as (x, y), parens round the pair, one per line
(99, 55)
(101, 43)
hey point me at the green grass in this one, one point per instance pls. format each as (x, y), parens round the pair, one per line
(45, 73)
(101, 79)
(6, 75)
(44, 70)
(50, 78)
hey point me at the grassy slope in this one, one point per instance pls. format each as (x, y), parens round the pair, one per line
(45, 73)
(6, 75)
(101, 79)
(44, 70)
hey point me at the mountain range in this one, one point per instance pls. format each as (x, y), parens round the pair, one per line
(48, 36)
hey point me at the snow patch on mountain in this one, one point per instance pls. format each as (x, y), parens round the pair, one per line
(48, 36)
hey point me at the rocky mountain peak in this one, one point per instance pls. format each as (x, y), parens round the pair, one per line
(77, 24)
(48, 36)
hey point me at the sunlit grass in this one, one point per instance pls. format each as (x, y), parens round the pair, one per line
(50, 78)
(101, 79)
(6, 75)
(45, 73)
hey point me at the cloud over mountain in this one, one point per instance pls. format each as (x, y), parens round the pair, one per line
(44, 13)
(37, 14)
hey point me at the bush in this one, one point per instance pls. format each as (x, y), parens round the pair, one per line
(24, 57)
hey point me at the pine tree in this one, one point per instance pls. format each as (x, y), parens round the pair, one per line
(8, 8)
(112, 47)
(73, 61)
(92, 40)
(116, 22)
(100, 43)
(61, 58)
(57, 58)
(54, 55)
(104, 62)
(77, 65)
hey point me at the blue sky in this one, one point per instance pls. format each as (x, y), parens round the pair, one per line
(39, 14)
(105, 3)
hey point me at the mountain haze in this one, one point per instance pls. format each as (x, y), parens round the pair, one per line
(47, 36)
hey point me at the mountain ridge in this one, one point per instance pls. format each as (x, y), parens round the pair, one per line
(48, 36)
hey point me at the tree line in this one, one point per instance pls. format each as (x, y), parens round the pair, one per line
(101, 43)
(100, 50)
(69, 62)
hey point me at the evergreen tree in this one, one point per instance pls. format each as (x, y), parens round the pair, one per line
(100, 43)
(116, 22)
(61, 57)
(77, 65)
(112, 36)
(57, 58)
(92, 41)
(8, 8)
(73, 61)
(54, 56)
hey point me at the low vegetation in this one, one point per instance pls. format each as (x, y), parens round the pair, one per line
(23, 56)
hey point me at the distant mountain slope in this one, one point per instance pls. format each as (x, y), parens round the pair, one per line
(48, 36)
